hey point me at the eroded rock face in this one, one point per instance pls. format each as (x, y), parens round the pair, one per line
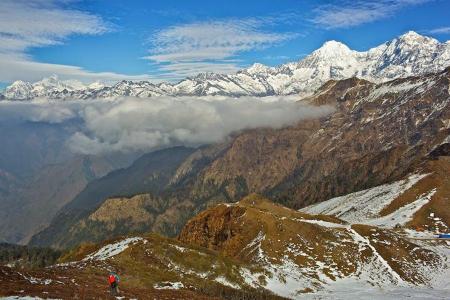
(214, 228)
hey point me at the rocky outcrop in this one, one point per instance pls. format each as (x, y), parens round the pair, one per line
(216, 229)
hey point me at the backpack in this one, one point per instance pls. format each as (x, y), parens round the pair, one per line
(111, 279)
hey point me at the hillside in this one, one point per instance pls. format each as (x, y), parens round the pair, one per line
(38, 175)
(56, 185)
(148, 174)
(253, 249)
(18, 256)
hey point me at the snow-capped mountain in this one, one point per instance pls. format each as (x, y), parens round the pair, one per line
(410, 54)
(51, 87)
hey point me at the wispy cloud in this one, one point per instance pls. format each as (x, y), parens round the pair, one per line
(26, 24)
(440, 30)
(188, 49)
(276, 57)
(353, 13)
(17, 66)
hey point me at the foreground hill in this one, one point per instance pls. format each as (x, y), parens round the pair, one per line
(302, 253)
(379, 133)
(253, 249)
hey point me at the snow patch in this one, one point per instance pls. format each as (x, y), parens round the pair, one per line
(363, 206)
(404, 214)
(324, 223)
(167, 285)
(111, 250)
(224, 281)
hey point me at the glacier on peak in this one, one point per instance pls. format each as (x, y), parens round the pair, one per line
(333, 49)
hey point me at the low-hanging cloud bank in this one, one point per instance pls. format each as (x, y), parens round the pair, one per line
(135, 124)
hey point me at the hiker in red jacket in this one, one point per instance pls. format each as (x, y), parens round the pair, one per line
(113, 280)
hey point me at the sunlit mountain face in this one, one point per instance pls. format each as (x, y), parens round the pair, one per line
(243, 150)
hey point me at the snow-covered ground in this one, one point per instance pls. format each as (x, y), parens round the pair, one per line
(167, 285)
(113, 249)
(363, 207)
(404, 214)
(351, 290)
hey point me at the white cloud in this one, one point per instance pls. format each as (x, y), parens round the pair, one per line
(440, 30)
(131, 124)
(352, 13)
(36, 112)
(25, 24)
(210, 46)
(135, 124)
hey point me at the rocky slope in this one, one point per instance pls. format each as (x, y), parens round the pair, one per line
(37, 200)
(82, 219)
(408, 55)
(378, 133)
(252, 249)
(38, 175)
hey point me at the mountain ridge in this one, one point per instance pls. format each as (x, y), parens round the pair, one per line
(407, 55)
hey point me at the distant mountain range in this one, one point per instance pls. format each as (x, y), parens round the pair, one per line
(410, 54)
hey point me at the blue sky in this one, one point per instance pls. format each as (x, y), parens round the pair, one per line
(111, 40)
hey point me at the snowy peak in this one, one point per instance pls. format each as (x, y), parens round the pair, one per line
(258, 68)
(414, 41)
(333, 49)
(414, 37)
(20, 90)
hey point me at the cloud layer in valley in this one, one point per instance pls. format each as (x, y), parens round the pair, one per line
(135, 124)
